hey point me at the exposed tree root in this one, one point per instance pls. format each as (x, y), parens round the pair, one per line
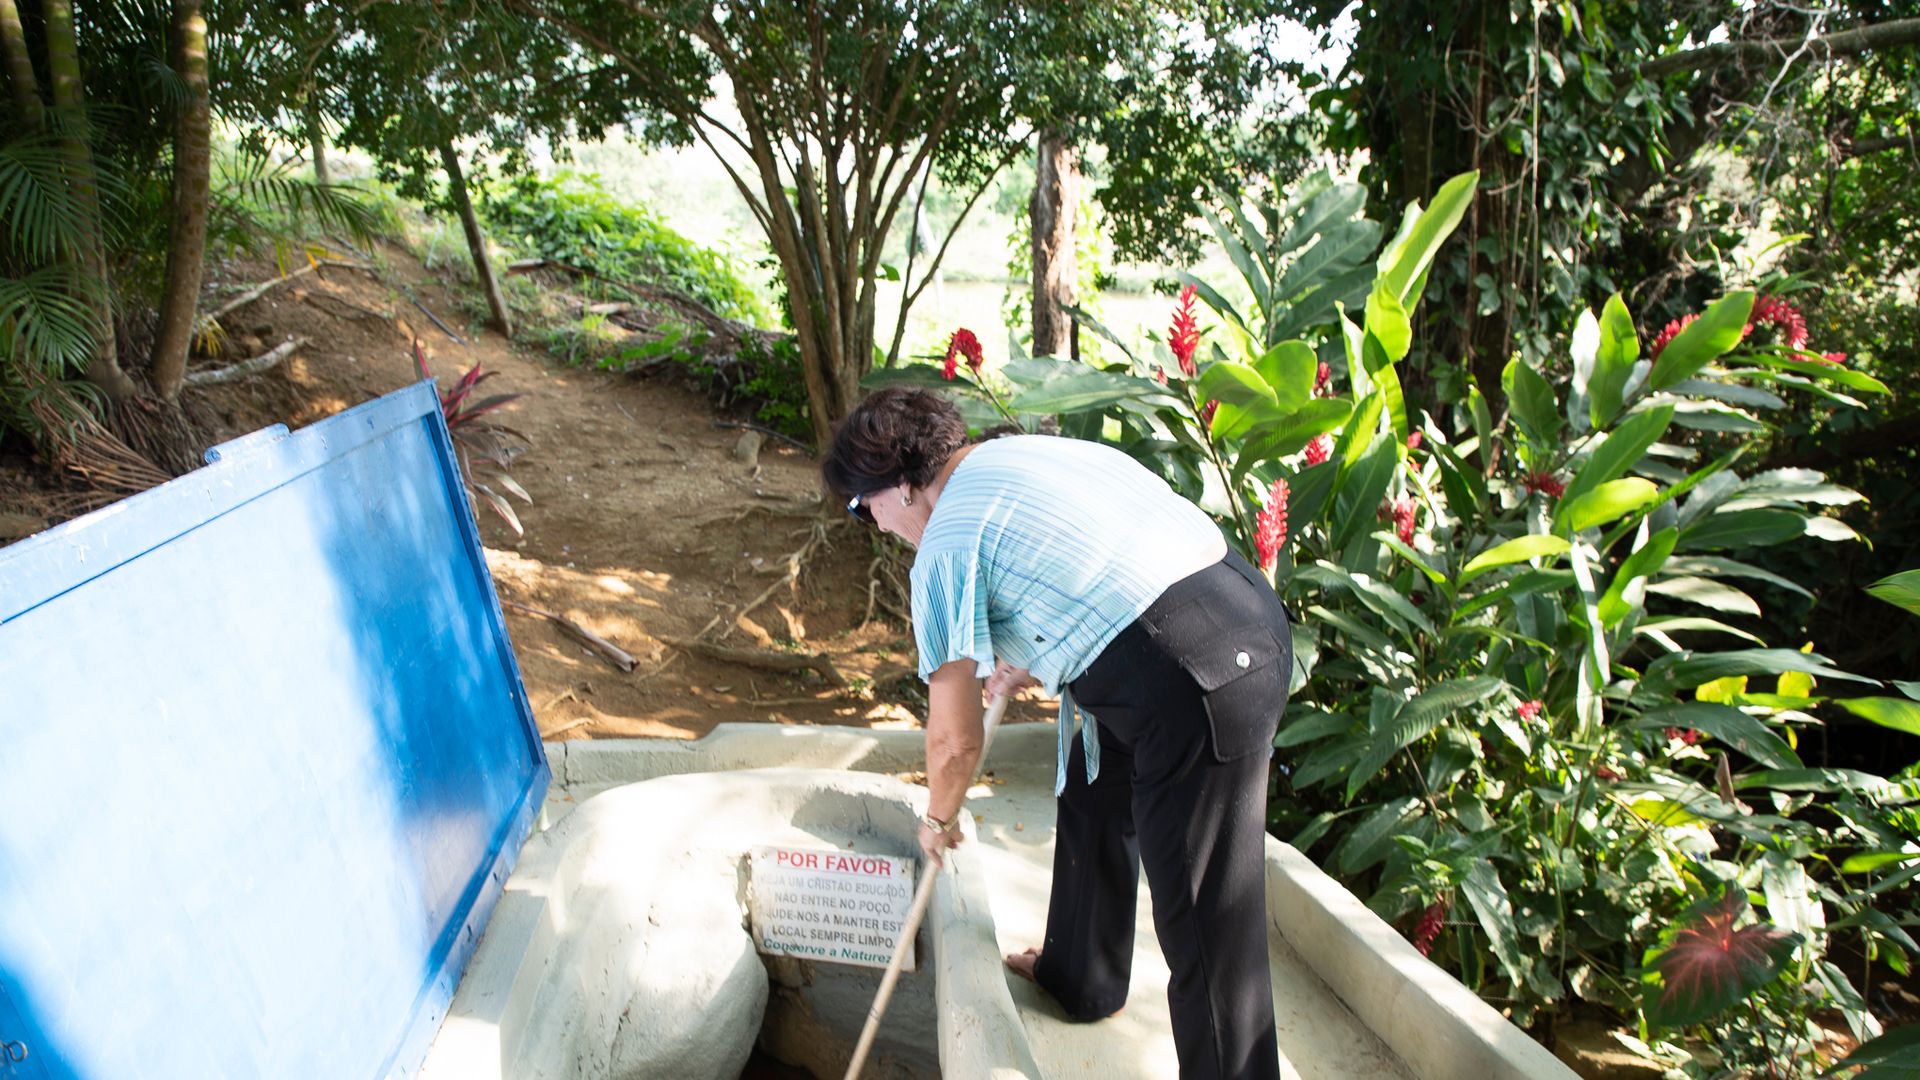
(266, 361)
(796, 561)
(761, 658)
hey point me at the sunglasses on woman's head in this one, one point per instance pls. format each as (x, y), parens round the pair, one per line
(857, 506)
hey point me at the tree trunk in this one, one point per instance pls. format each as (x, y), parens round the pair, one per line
(317, 141)
(63, 65)
(186, 257)
(476, 240)
(1055, 203)
(26, 87)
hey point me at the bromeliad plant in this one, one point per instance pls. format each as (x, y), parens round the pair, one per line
(1517, 727)
(479, 440)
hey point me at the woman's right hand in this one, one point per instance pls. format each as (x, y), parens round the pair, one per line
(1008, 680)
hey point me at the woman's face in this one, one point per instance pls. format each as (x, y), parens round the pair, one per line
(891, 511)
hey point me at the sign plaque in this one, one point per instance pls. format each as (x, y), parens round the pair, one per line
(823, 904)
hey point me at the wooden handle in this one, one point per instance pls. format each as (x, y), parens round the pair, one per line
(922, 896)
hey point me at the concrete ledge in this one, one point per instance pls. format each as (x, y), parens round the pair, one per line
(730, 747)
(1440, 1029)
(619, 948)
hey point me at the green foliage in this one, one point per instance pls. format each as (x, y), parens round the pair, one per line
(570, 219)
(1518, 694)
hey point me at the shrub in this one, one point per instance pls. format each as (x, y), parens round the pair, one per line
(1516, 728)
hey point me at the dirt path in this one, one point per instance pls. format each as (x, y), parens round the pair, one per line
(648, 520)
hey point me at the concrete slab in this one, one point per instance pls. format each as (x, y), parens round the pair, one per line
(1352, 998)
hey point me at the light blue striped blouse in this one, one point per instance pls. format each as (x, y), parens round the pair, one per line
(1040, 551)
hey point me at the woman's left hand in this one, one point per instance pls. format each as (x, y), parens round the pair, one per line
(935, 844)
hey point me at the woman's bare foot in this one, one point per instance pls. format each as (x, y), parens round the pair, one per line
(1023, 963)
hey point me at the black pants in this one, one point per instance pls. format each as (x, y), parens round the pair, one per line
(1187, 699)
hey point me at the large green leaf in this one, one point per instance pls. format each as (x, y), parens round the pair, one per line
(1405, 263)
(1643, 562)
(1289, 369)
(1607, 502)
(1387, 324)
(1707, 593)
(1845, 376)
(1900, 714)
(1893, 1056)
(1704, 340)
(1686, 670)
(1233, 383)
(1622, 449)
(1613, 363)
(1287, 435)
(1531, 397)
(1488, 898)
(1831, 781)
(1324, 214)
(1372, 839)
(1742, 529)
(1415, 720)
(1716, 566)
(1729, 725)
(1360, 496)
(1340, 249)
(1901, 589)
(1250, 269)
(1519, 549)
(1050, 387)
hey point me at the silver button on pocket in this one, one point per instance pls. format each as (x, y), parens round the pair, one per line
(1241, 659)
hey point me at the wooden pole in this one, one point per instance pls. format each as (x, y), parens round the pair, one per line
(921, 898)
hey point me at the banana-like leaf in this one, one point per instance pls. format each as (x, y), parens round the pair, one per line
(1900, 714)
(1532, 400)
(1744, 733)
(1686, 670)
(1405, 262)
(1372, 839)
(1645, 561)
(1707, 594)
(1519, 549)
(1613, 362)
(1893, 1056)
(1743, 528)
(1623, 448)
(1679, 624)
(1488, 898)
(1607, 502)
(1704, 340)
(1901, 590)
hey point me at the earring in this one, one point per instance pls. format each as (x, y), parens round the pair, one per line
(906, 497)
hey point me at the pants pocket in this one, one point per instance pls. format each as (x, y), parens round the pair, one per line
(1243, 676)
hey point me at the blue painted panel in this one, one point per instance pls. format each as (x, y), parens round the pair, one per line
(265, 762)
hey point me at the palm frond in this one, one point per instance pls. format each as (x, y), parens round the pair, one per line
(47, 320)
(252, 186)
(44, 220)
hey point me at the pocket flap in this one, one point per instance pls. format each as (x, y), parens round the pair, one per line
(1232, 655)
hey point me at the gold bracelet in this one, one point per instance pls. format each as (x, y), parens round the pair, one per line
(935, 823)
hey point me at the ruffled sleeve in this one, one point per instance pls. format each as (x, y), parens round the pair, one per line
(950, 611)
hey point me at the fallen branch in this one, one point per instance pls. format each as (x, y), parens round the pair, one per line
(768, 432)
(795, 560)
(608, 651)
(265, 361)
(444, 328)
(268, 286)
(760, 658)
(568, 726)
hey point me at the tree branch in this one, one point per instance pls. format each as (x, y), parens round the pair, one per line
(1860, 39)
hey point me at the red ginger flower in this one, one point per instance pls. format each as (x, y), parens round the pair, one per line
(1541, 480)
(1413, 441)
(1685, 735)
(1319, 450)
(1427, 930)
(962, 343)
(1321, 375)
(1206, 413)
(1605, 773)
(1772, 309)
(1668, 333)
(1834, 358)
(1405, 514)
(1529, 710)
(1183, 338)
(1270, 527)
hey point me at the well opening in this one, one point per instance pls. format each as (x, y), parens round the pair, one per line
(815, 1012)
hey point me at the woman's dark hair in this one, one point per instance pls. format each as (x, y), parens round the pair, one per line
(896, 434)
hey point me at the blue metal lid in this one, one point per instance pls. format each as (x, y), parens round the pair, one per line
(265, 762)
